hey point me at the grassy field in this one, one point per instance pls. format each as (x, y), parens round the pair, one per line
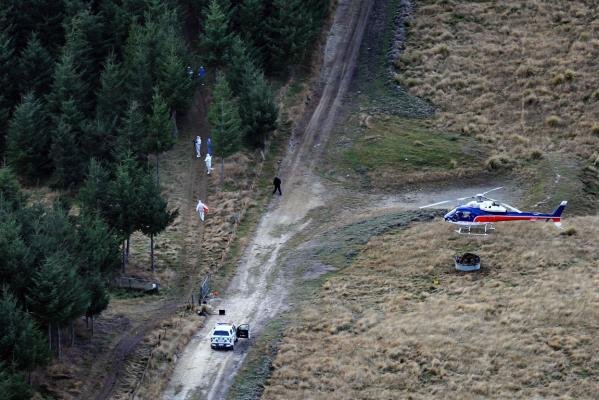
(385, 137)
(520, 77)
(399, 322)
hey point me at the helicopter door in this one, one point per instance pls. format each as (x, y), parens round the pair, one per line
(243, 331)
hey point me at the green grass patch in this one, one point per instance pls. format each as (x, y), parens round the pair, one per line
(405, 145)
(249, 382)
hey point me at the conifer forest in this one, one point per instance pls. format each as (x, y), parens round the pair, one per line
(91, 94)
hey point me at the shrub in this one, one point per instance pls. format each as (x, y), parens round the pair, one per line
(535, 154)
(499, 161)
(595, 129)
(553, 120)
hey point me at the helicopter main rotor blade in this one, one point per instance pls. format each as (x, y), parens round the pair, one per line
(488, 191)
(436, 204)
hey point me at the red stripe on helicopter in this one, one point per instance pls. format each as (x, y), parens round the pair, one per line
(499, 218)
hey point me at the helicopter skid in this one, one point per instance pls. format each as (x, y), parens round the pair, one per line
(467, 229)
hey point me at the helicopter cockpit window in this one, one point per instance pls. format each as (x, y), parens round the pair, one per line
(466, 214)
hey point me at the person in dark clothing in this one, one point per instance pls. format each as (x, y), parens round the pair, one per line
(277, 184)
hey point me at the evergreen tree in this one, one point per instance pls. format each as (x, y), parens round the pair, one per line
(225, 121)
(35, 65)
(98, 255)
(174, 84)
(111, 97)
(10, 192)
(216, 39)
(7, 83)
(155, 214)
(94, 191)
(125, 202)
(28, 139)
(67, 84)
(160, 137)
(239, 58)
(132, 133)
(22, 346)
(118, 16)
(140, 56)
(253, 28)
(15, 260)
(66, 151)
(57, 294)
(13, 385)
(97, 288)
(258, 109)
(289, 33)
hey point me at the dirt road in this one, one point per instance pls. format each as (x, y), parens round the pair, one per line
(258, 290)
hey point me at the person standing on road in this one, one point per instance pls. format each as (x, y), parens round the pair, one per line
(202, 74)
(277, 184)
(198, 146)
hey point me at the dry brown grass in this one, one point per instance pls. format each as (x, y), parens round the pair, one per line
(156, 358)
(400, 323)
(499, 69)
(227, 205)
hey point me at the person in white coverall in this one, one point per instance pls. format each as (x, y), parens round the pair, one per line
(198, 145)
(201, 209)
(208, 161)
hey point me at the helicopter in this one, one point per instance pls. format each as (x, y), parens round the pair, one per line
(483, 211)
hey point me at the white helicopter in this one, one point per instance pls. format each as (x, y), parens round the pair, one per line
(484, 211)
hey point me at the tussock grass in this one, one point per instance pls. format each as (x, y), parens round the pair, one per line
(401, 323)
(529, 68)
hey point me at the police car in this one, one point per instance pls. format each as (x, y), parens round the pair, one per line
(225, 334)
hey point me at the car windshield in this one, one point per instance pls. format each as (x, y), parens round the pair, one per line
(221, 333)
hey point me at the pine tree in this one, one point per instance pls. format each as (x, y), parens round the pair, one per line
(289, 33)
(225, 121)
(11, 194)
(216, 39)
(132, 133)
(173, 81)
(139, 66)
(28, 139)
(258, 110)
(160, 128)
(78, 44)
(97, 288)
(15, 259)
(13, 385)
(7, 83)
(124, 210)
(111, 97)
(253, 28)
(67, 84)
(35, 65)
(57, 294)
(94, 191)
(239, 58)
(155, 214)
(22, 345)
(66, 152)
